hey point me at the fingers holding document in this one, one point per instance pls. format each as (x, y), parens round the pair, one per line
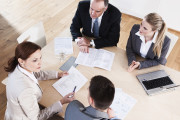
(67, 99)
(110, 113)
(62, 74)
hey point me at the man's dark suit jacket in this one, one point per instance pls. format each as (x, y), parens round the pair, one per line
(76, 111)
(109, 30)
(134, 45)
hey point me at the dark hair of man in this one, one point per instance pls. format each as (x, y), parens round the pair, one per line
(23, 51)
(102, 91)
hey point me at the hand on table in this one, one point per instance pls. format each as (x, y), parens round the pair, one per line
(83, 42)
(84, 49)
(133, 66)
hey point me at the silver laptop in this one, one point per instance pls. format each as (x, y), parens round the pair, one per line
(155, 82)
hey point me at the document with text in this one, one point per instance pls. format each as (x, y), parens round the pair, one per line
(122, 103)
(96, 58)
(63, 45)
(66, 84)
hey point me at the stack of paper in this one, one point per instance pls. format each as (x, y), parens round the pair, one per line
(96, 58)
(122, 103)
(66, 84)
(63, 45)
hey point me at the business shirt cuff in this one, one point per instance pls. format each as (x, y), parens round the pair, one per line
(77, 40)
(92, 43)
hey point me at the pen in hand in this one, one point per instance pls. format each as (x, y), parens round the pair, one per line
(73, 92)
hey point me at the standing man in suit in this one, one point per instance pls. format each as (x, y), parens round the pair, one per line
(100, 23)
(100, 96)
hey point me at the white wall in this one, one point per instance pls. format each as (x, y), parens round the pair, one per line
(168, 9)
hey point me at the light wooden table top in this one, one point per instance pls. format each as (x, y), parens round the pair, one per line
(165, 106)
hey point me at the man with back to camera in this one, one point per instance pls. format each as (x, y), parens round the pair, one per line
(100, 23)
(100, 96)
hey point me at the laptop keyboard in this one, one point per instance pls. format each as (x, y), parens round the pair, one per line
(150, 84)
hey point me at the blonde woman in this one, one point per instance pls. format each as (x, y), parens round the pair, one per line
(149, 41)
(23, 90)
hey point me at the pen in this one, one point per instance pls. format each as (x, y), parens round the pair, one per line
(74, 89)
(73, 92)
(173, 87)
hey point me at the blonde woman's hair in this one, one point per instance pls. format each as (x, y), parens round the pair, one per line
(157, 23)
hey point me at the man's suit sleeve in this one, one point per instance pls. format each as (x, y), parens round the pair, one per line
(129, 52)
(73, 111)
(76, 24)
(112, 37)
(162, 60)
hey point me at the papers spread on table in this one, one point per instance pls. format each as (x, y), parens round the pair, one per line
(63, 45)
(66, 84)
(96, 58)
(122, 103)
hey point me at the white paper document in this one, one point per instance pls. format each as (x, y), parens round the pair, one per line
(122, 103)
(66, 84)
(96, 58)
(63, 45)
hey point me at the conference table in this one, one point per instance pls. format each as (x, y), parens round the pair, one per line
(164, 106)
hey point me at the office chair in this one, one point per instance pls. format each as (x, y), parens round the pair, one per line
(34, 34)
(174, 39)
